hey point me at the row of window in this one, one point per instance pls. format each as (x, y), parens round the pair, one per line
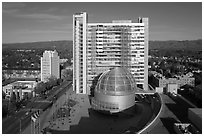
(138, 78)
(137, 67)
(114, 26)
(111, 36)
(114, 55)
(114, 34)
(116, 45)
(113, 41)
(119, 31)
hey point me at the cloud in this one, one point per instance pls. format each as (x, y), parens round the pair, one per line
(53, 30)
(9, 11)
(41, 16)
(12, 5)
(48, 31)
(21, 10)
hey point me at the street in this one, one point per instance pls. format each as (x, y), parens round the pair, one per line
(20, 121)
(46, 115)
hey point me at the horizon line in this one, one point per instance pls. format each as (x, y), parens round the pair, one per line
(72, 40)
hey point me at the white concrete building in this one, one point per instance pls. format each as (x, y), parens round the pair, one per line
(100, 46)
(172, 88)
(50, 65)
(20, 88)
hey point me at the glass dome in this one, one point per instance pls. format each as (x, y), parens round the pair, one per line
(118, 81)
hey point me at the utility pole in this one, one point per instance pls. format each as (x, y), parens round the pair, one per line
(20, 125)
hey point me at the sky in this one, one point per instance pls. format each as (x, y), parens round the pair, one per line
(51, 21)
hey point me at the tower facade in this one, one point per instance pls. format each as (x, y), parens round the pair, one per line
(79, 53)
(121, 43)
(50, 65)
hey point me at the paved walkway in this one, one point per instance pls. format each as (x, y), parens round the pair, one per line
(98, 123)
(68, 116)
(46, 116)
(77, 120)
(62, 117)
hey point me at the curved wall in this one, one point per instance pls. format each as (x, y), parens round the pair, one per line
(123, 102)
(153, 123)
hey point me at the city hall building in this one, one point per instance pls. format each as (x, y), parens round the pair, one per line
(98, 47)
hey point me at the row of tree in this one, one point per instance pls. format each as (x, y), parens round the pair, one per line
(66, 74)
(43, 88)
(176, 53)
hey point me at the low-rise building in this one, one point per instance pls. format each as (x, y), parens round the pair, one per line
(21, 73)
(21, 89)
(159, 89)
(63, 61)
(69, 67)
(161, 81)
(172, 88)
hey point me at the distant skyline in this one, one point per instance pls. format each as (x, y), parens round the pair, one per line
(51, 21)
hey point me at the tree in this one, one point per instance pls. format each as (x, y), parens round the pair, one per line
(13, 97)
(3, 95)
(198, 78)
(3, 77)
(18, 105)
(59, 81)
(162, 65)
(40, 88)
(4, 110)
(52, 81)
(67, 74)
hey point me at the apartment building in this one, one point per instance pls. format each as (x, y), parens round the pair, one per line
(179, 80)
(50, 65)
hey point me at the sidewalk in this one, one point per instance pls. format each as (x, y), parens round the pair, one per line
(46, 116)
(79, 110)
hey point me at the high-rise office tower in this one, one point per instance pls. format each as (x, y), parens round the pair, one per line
(50, 65)
(100, 46)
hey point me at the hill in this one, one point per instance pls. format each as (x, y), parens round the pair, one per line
(193, 45)
(49, 45)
